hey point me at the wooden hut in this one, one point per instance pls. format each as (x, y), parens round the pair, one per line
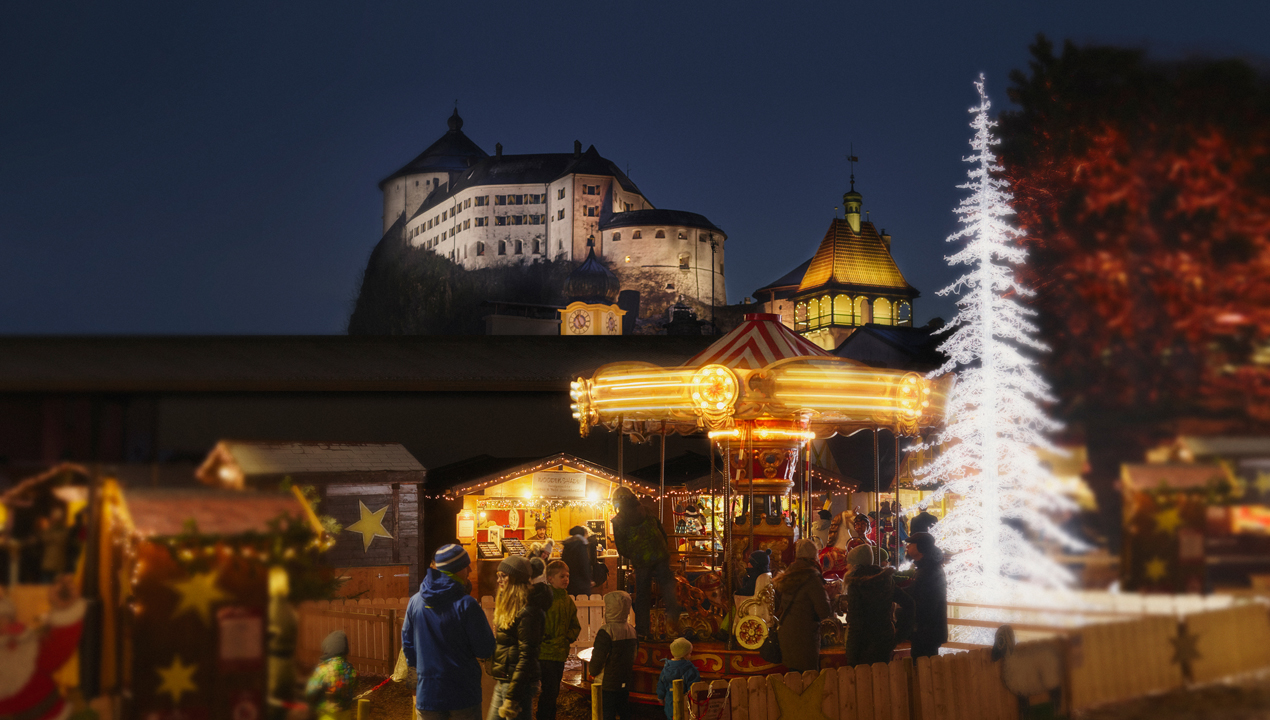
(371, 489)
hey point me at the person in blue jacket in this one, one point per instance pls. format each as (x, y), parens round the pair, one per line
(444, 636)
(679, 668)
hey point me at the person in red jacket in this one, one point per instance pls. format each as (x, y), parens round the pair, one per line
(30, 656)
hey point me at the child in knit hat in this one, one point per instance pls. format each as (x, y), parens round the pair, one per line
(679, 668)
(760, 564)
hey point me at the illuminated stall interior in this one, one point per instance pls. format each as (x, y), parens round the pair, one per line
(500, 511)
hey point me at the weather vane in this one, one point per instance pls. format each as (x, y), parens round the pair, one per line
(853, 160)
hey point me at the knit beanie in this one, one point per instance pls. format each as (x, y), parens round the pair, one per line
(806, 549)
(516, 568)
(866, 555)
(761, 560)
(451, 558)
(334, 645)
(680, 648)
(536, 567)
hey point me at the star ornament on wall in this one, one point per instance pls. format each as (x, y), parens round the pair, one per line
(794, 706)
(1168, 521)
(177, 679)
(1157, 569)
(198, 594)
(371, 525)
(1185, 647)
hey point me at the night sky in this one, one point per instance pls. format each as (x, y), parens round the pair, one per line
(209, 168)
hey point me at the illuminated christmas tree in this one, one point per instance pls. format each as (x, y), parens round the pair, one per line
(995, 422)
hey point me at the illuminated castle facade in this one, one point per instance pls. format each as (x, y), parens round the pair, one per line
(851, 281)
(481, 210)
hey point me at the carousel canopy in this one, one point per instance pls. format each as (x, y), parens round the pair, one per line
(763, 376)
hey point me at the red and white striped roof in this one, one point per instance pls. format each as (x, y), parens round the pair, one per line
(756, 343)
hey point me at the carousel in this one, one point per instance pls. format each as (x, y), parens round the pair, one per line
(762, 395)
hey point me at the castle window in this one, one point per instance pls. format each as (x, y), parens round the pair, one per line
(500, 199)
(628, 207)
(682, 236)
(467, 224)
(560, 215)
(535, 219)
(637, 235)
(480, 248)
(500, 220)
(518, 219)
(560, 194)
(520, 247)
(683, 261)
(502, 247)
(617, 237)
(482, 221)
(517, 199)
(660, 234)
(590, 189)
(482, 200)
(720, 267)
(467, 203)
(592, 211)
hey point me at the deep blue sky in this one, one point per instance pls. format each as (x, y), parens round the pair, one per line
(204, 168)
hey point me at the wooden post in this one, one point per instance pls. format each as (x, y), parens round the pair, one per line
(677, 690)
(394, 638)
(363, 709)
(597, 702)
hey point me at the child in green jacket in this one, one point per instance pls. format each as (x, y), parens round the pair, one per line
(561, 629)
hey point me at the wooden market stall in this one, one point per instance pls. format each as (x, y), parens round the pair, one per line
(371, 489)
(500, 511)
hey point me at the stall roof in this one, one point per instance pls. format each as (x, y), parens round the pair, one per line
(1226, 446)
(1173, 476)
(166, 511)
(233, 463)
(26, 488)
(525, 467)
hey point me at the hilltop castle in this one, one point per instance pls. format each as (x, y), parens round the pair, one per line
(480, 210)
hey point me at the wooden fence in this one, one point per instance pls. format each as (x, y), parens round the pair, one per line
(373, 628)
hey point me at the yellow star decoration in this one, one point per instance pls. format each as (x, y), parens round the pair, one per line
(1185, 647)
(1167, 521)
(178, 679)
(198, 593)
(806, 706)
(1263, 482)
(371, 525)
(1157, 569)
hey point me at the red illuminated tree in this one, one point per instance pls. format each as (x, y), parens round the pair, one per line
(1144, 191)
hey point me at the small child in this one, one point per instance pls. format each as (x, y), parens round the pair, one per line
(332, 688)
(680, 668)
(613, 656)
(559, 631)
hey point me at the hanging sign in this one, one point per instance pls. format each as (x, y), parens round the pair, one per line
(467, 524)
(568, 485)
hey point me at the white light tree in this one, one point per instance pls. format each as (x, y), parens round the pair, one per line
(995, 422)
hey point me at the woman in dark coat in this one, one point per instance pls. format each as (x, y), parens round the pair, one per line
(871, 597)
(519, 615)
(930, 596)
(801, 603)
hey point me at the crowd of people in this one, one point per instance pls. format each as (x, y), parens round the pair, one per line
(447, 639)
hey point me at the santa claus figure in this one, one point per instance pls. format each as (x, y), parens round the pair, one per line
(30, 655)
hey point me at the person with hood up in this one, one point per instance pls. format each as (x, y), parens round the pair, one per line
(871, 597)
(801, 603)
(641, 540)
(577, 556)
(760, 563)
(559, 632)
(613, 656)
(519, 618)
(332, 688)
(820, 528)
(929, 591)
(444, 637)
(679, 667)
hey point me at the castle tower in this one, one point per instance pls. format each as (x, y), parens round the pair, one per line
(432, 171)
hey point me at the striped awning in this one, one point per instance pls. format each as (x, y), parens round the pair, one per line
(756, 343)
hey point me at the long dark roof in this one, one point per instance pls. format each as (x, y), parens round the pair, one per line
(658, 217)
(528, 169)
(452, 152)
(327, 363)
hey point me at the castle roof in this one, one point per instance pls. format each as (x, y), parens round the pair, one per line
(788, 281)
(453, 152)
(658, 217)
(526, 170)
(858, 262)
